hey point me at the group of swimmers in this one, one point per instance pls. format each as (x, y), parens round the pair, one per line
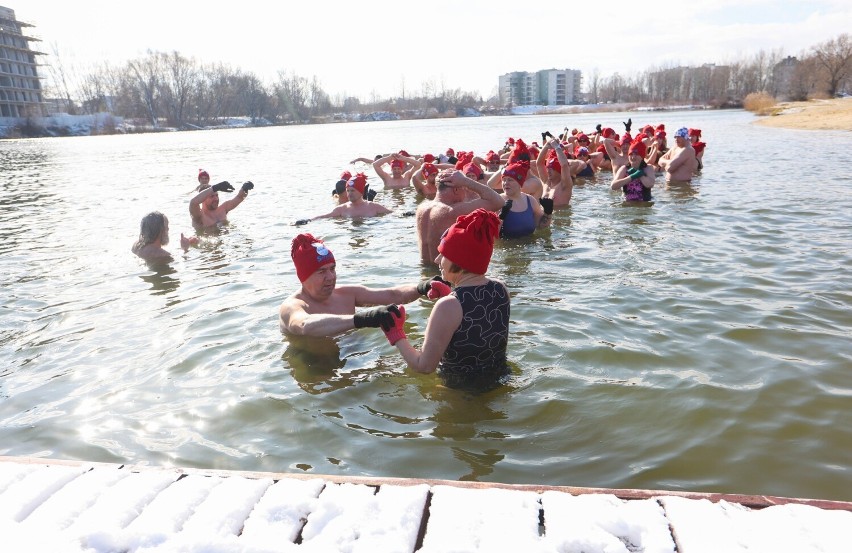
(467, 203)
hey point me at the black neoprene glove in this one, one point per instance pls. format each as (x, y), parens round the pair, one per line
(248, 185)
(302, 222)
(370, 195)
(424, 287)
(628, 124)
(598, 128)
(506, 208)
(223, 186)
(547, 204)
(376, 317)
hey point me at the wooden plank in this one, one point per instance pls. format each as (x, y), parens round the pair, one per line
(282, 511)
(603, 522)
(488, 519)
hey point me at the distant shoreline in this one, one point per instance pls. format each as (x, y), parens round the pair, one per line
(814, 115)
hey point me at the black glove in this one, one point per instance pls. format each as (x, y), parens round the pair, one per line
(627, 125)
(223, 186)
(302, 222)
(547, 204)
(543, 137)
(370, 195)
(408, 214)
(376, 317)
(506, 208)
(598, 128)
(248, 185)
(424, 287)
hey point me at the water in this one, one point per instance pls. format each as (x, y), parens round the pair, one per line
(701, 343)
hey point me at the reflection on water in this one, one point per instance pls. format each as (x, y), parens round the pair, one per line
(162, 278)
(647, 342)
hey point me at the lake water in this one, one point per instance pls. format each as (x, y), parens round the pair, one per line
(701, 343)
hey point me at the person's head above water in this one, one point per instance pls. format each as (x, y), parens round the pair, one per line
(469, 242)
(309, 254)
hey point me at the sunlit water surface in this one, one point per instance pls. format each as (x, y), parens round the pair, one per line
(700, 343)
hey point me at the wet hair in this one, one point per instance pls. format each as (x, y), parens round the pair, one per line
(150, 229)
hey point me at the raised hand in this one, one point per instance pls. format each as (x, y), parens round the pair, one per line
(547, 204)
(223, 186)
(248, 185)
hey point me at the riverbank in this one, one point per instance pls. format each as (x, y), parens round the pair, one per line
(815, 115)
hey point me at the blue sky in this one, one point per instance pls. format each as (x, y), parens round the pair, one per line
(377, 48)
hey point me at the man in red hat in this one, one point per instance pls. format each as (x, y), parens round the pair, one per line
(356, 206)
(205, 209)
(555, 168)
(321, 308)
(402, 167)
(451, 201)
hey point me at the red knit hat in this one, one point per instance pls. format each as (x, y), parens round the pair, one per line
(607, 132)
(345, 175)
(469, 242)
(397, 163)
(429, 169)
(518, 171)
(358, 182)
(202, 173)
(638, 147)
(492, 157)
(695, 132)
(553, 162)
(520, 152)
(428, 158)
(309, 254)
(472, 169)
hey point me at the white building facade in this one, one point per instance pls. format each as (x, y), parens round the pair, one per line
(551, 87)
(20, 86)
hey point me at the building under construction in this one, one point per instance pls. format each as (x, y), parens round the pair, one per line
(20, 86)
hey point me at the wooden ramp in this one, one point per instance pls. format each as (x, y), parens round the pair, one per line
(61, 506)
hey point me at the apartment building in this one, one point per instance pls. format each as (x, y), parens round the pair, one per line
(550, 87)
(20, 87)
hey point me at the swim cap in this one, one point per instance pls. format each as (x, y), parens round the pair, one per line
(429, 170)
(469, 242)
(358, 182)
(517, 171)
(682, 132)
(202, 173)
(638, 147)
(309, 254)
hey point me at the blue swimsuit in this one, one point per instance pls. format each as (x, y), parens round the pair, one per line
(519, 223)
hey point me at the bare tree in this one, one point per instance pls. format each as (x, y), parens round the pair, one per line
(834, 59)
(147, 75)
(175, 85)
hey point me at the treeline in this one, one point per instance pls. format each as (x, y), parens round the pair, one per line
(823, 70)
(175, 91)
(168, 89)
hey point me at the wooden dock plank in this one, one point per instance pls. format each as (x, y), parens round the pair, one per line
(700, 526)
(282, 511)
(24, 495)
(603, 522)
(61, 509)
(482, 520)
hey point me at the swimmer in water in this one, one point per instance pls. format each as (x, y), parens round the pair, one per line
(153, 235)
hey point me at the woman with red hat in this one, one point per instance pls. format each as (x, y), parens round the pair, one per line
(637, 177)
(698, 146)
(468, 330)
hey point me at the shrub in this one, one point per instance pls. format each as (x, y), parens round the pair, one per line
(760, 103)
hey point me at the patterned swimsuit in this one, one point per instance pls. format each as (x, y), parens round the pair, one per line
(476, 355)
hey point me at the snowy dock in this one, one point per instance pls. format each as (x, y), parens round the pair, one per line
(63, 506)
